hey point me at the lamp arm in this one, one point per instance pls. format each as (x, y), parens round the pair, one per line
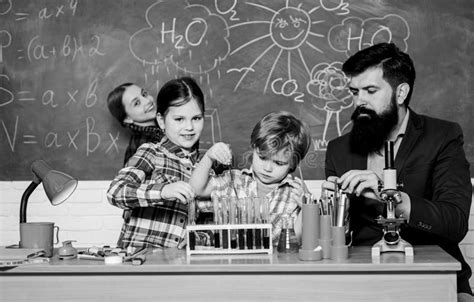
(24, 199)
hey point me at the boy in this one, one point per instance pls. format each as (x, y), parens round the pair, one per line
(279, 142)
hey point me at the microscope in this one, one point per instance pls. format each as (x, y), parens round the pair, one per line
(389, 193)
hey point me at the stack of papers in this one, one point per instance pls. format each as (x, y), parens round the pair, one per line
(16, 256)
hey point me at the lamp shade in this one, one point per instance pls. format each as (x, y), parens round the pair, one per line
(58, 186)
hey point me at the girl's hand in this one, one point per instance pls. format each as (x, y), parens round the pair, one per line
(180, 191)
(220, 152)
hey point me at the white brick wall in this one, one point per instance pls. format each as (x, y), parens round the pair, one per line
(89, 219)
(86, 216)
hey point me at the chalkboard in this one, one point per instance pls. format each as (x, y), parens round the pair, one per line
(60, 58)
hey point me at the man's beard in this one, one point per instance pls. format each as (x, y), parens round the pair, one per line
(370, 131)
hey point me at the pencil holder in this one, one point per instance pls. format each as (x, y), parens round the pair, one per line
(326, 239)
(310, 233)
(339, 249)
(338, 236)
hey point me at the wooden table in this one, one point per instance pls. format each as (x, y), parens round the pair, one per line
(168, 275)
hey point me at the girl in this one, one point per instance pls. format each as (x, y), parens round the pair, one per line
(135, 109)
(154, 183)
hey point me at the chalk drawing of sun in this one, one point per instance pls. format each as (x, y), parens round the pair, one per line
(292, 33)
(290, 27)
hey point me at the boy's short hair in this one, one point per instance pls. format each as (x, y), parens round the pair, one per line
(279, 130)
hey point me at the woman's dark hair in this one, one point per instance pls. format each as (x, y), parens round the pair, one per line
(178, 92)
(115, 104)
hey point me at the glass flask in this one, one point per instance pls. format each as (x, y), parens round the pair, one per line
(288, 243)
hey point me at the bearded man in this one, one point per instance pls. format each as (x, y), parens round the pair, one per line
(429, 159)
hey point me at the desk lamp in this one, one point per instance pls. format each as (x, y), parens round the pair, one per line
(57, 185)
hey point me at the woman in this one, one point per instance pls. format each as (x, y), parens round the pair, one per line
(135, 109)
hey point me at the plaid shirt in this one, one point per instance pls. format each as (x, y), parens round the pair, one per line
(286, 198)
(154, 221)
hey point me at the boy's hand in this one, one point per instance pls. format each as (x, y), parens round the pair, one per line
(179, 190)
(220, 152)
(301, 189)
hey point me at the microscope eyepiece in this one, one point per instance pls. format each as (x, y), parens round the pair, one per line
(389, 156)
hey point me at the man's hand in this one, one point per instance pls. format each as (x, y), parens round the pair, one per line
(366, 183)
(357, 182)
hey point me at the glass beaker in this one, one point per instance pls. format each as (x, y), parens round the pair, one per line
(288, 243)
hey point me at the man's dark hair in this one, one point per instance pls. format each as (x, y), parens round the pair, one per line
(396, 65)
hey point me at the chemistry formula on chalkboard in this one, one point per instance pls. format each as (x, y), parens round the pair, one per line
(59, 59)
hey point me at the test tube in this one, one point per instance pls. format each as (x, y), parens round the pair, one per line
(233, 220)
(224, 204)
(250, 219)
(257, 219)
(192, 221)
(242, 219)
(266, 219)
(217, 220)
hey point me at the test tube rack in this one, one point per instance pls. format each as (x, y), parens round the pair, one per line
(211, 250)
